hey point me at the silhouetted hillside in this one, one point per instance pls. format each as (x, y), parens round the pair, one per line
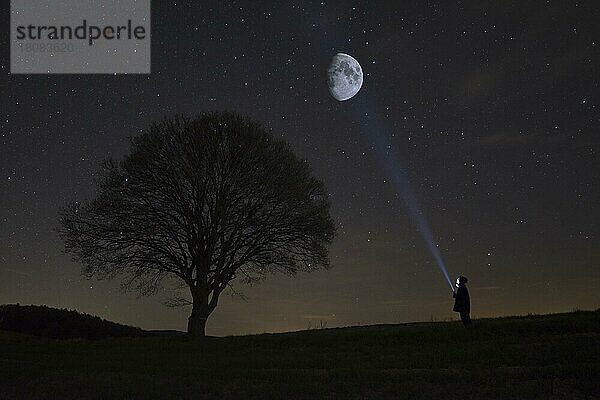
(550, 357)
(60, 323)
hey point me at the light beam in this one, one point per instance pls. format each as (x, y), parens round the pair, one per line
(401, 180)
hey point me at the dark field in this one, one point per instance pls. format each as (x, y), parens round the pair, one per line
(534, 357)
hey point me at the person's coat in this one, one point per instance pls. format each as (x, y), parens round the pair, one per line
(462, 302)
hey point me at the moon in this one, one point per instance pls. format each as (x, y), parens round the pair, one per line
(344, 77)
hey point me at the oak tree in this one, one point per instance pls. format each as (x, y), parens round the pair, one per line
(204, 201)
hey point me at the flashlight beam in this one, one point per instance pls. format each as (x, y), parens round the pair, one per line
(399, 175)
(418, 217)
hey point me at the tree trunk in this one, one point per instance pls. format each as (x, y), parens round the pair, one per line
(200, 313)
(197, 322)
(201, 309)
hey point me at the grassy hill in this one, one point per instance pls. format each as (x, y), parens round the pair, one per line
(534, 357)
(60, 323)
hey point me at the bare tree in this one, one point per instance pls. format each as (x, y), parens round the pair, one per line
(204, 201)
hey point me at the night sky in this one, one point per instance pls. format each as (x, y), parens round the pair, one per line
(491, 108)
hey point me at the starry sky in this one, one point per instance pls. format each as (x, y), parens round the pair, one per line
(490, 108)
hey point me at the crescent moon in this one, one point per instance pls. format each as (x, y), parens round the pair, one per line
(344, 77)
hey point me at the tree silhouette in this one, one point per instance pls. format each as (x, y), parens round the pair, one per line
(205, 201)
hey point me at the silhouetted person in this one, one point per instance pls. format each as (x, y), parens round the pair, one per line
(462, 302)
